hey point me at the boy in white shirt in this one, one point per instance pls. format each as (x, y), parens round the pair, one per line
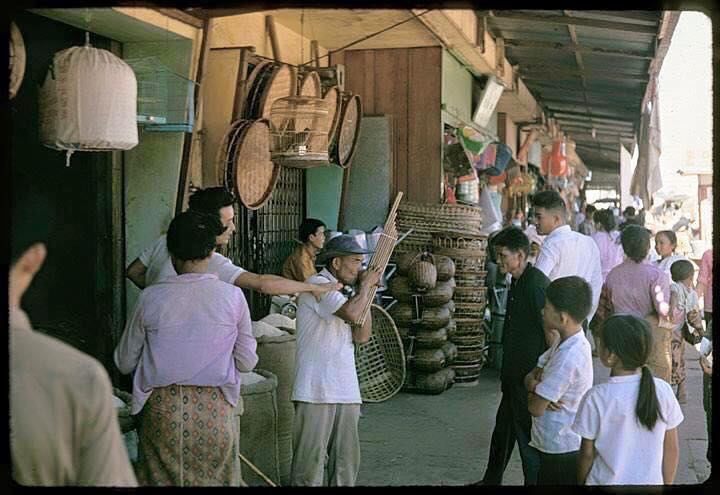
(563, 375)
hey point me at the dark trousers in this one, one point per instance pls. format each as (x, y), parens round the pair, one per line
(512, 424)
(558, 469)
(708, 320)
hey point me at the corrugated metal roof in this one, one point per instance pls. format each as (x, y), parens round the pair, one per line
(588, 69)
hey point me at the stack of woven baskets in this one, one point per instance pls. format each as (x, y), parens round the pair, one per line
(467, 250)
(425, 220)
(424, 289)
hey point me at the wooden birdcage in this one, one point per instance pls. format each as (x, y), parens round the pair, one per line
(299, 132)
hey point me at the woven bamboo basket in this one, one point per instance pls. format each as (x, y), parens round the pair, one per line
(468, 340)
(451, 351)
(332, 98)
(402, 314)
(445, 267)
(470, 354)
(422, 272)
(399, 287)
(451, 327)
(254, 173)
(430, 339)
(404, 261)
(461, 242)
(429, 383)
(342, 148)
(428, 360)
(451, 306)
(470, 279)
(470, 295)
(474, 265)
(444, 210)
(310, 85)
(467, 373)
(380, 362)
(469, 310)
(434, 318)
(442, 294)
(467, 327)
(267, 83)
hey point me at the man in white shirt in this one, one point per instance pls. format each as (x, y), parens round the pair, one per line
(565, 252)
(154, 265)
(557, 385)
(326, 390)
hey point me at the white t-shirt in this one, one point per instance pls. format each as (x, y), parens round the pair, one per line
(567, 375)
(156, 259)
(627, 453)
(566, 253)
(325, 358)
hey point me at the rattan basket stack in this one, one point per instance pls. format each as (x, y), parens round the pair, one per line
(467, 250)
(424, 289)
(427, 219)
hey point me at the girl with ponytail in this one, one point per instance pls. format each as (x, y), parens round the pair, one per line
(629, 424)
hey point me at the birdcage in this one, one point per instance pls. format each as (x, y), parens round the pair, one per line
(299, 132)
(165, 99)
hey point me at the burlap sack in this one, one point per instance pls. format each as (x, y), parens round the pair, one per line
(660, 361)
(258, 430)
(277, 355)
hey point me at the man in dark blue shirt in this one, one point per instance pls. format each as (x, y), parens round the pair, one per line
(523, 342)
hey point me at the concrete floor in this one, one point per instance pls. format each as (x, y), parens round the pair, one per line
(444, 439)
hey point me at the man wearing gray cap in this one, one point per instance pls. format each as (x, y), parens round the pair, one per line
(326, 390)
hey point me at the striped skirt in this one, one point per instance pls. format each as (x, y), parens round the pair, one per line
(187, 438)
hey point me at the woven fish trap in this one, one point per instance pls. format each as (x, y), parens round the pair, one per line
(465, 310)
(380, 362)
(476, 295)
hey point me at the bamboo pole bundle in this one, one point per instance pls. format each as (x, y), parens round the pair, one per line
(383, 251)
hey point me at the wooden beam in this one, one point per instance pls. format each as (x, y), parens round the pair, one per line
(553, 105)
(551, 75)
(575, 21)
(568, 114)
(270, 30)
(523, 43)
(315, 51)
(597, 125)
(481, 29)
(500, 56)
(588, 72)
(606, 91)
(599, 129)
(649, 17)
(181, 16)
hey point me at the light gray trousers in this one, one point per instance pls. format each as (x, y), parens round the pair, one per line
(325, 435)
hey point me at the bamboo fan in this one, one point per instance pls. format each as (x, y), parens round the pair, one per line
(383, 251)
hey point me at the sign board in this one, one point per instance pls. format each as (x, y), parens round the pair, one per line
(488, 101)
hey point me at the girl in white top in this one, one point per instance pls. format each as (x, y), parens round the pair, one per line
(665, 245)
(629, 424)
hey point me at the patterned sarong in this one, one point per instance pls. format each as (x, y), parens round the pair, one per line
(187, 438)
(677, 347)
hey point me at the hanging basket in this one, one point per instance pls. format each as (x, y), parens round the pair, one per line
(423, 273)
(310, 85)
(298, 130)
(333, 99)
(267, 83)
(380, 362)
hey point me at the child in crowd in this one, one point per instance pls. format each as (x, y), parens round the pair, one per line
(684, 306)
(629, 424)
(563, 374)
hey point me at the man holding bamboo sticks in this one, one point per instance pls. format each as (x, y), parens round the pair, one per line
(326, 390)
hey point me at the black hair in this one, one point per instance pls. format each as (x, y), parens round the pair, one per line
(670, 235)
(590, 209)
(631, 340)
(681, 270)
(629, 212)
(550, 200)
(513, 239)
(571, 295)
(191, 235)
(605, 219)
(210, 200)
(635, 242)
(308, 227)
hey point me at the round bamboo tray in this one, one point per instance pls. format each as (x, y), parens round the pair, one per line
(270, 82)
(468, 265)
(469, 340)
(224, 157)
(343, 148)
(467, 327)
(469, 310)
(253, 87)
(380, 362)
(460, 241)
(255, 173)
(332, 98)
(467, 374)
(470, 295)
(470, 279)
(310, 85)
(470, 354)
(17, 61)
(430, 339)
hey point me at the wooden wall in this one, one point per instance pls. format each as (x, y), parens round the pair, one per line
(406, 84)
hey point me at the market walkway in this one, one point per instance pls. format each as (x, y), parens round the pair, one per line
(444, 439)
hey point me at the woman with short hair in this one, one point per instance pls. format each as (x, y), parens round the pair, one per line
(608, 241)
(665, 245)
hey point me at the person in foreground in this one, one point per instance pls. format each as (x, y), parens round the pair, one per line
(326, 391)
(523, 343)
(629, 424)
(187, 341)
(563, 374)
(64, 427)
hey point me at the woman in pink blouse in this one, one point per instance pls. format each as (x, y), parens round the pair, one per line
(639, 287)
(187, 341)
(607, 240)
(704, 285)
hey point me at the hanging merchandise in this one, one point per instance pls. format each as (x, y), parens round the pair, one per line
(502, 158)
(486, 159)
(495, 180)
(473, 141)
(455, 160)
(556, 159)
(491, 215)
(88, 102)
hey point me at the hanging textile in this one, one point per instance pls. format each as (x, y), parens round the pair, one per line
(647, 178)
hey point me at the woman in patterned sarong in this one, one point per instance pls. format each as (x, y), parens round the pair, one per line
(188, 339)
